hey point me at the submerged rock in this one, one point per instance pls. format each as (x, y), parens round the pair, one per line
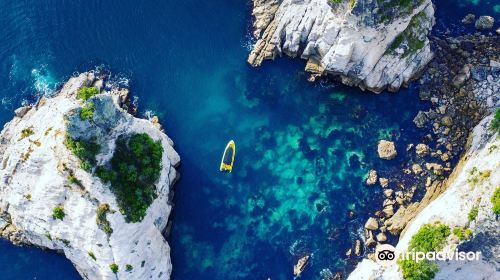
(52, 199)
(386, 149)
(468, 19)
(484, 23)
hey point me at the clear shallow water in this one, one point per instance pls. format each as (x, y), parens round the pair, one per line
(302, 149)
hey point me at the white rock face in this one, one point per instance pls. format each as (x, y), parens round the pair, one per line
(34, 180)
(452, 207)
(350, 42)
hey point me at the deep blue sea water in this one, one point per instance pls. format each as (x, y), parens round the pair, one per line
(302, 148)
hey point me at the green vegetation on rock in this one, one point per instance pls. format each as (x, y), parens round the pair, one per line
(85, 151)
(334, 2)
(476, 177)
(352, 3)
(114, 268)
(101, 220)
(87, 111)
(473, 213)
(128, 268)
(429, 238)
(410, 36)
(461, 233)
(135, 168)
(86, 92)
(495, 123)
(495, 200)
(27, 132)
(91, 254)
(58, 213)
(73, 180)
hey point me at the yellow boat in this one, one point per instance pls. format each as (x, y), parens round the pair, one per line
(226, 164)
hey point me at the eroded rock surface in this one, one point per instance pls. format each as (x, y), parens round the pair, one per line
(370, 44)
(39, 173)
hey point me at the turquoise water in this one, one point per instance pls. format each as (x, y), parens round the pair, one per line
(302, 148)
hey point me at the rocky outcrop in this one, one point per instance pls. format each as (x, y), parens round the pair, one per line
(470, 186)
(484, 23)
(348, 39)
(48, 200)
(386, 149)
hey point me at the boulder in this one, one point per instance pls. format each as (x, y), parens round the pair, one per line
(384, 182)
(388, 192)
(416, 168)
(420, 119)
(468, 19)
(371, 224)
(372, 177)
(381, 237)
(386, 149)
(484, 23)
(446, 121)
(20, 112)
(435, 168)
(422, 149)
(357, 248)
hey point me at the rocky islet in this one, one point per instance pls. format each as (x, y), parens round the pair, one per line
(51, 196)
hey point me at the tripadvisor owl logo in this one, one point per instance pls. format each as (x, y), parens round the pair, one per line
(385, 255)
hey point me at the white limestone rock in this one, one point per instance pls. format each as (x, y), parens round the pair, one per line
(34, 180)
(452, 207)
(371, 50)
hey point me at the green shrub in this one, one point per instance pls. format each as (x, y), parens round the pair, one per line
(352, 3)
(73, 180)
(492, 148)
(335, 2)
(468, 233)
(27, 132)
(114, 267)
(101, 220)
(58, 213)
(86, 92)
(423, 270)
(48, 236)
(461, 233)
(85, 151)
(128, 267)
(91, 254)
(476, 177)
(397, 41)
(495, 123)
(427, 239)
(430, 238)
(135, 168)
(87, 111)
(104, 174)
(473, 213)
(495, 200)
